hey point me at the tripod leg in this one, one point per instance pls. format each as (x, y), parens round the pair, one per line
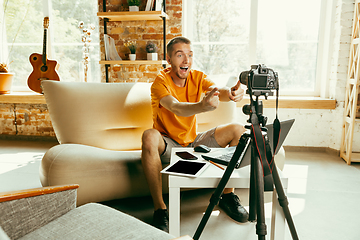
(252, 191)
(284, 203)
(260, 224)
(219, 189)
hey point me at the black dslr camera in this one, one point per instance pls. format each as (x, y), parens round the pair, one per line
(260, 79)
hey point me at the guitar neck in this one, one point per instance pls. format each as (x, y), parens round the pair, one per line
(44, 48)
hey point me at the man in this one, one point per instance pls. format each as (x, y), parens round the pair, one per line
(176, 99)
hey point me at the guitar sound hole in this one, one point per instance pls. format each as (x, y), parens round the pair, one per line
(44, 68)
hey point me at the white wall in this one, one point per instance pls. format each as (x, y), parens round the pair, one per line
(322, 128)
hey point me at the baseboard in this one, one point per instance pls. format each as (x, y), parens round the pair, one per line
(312, 149)
(28, 138)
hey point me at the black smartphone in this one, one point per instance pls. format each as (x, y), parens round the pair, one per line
(186, 155)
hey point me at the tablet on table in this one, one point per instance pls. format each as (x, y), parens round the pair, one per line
(186, 168)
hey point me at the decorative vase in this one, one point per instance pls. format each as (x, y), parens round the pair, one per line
(132, 57)
(133, 8)
(152, 56)
(6, 82)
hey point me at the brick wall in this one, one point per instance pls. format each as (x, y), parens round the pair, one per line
(141, 32)
(341, 48)
(25, 120)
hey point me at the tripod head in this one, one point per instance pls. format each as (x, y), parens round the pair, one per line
(255, 107)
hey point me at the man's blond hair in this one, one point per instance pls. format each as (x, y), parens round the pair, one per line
(175, 40)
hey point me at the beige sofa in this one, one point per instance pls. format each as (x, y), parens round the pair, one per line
(99, 128)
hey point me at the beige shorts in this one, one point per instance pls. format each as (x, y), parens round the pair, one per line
(205, 138)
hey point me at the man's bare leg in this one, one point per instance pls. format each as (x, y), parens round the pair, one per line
(152, 147)
(229, 134)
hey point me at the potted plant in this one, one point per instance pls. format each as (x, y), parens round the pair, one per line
(5, 79)
(131, 45)
(133, 5)
(151, 50)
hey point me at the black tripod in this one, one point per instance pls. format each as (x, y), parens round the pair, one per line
(260, 179)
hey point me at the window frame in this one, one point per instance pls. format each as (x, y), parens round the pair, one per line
(324, 51)
(47, 10)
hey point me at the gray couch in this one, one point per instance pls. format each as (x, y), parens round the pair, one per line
(51, 213)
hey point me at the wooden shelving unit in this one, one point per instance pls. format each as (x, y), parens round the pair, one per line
(352, 102)
(133, 16)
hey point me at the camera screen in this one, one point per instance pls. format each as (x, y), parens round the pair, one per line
(261, 81)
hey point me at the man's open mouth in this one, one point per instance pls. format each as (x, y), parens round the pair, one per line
(184, 69)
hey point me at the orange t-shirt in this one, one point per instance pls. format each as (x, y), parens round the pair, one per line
(180, 129)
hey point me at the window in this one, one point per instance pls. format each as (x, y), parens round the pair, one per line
(285, 35)
(24, 34)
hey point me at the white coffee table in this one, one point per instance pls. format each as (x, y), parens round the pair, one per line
(210, 178)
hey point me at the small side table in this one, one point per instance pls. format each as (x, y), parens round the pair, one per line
(210, 178)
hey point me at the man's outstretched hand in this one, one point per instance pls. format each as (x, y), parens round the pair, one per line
(211, 100)
(236, 93)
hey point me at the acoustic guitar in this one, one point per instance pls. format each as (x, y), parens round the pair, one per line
(43, 69)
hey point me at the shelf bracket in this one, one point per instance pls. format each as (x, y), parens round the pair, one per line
(106, 20)
(164, 39)
(107, 72)
(104, 5)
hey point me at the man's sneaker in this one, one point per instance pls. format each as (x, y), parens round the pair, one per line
(161, 220)
(230, 203)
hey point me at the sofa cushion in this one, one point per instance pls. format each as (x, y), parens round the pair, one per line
(109, 116)
(96, 221)
(34, 212)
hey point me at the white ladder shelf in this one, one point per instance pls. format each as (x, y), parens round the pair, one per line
(352, 95)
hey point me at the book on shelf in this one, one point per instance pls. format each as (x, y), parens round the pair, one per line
(149, 5)
(158, 5)
(110, 49)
